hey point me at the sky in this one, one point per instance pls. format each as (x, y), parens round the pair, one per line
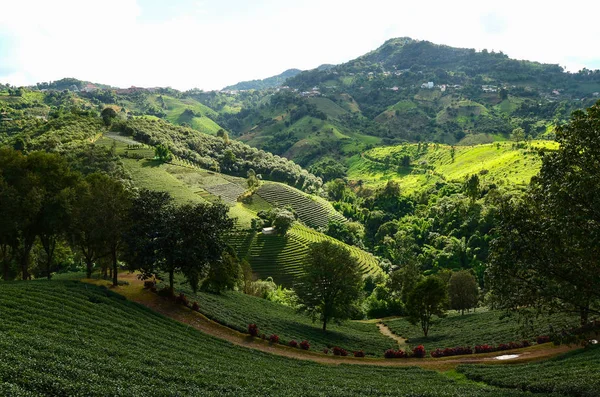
(209, 44)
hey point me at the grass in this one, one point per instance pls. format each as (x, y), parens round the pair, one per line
(479, 328)
(328, 107)
(236, 310)
(500, 163)
(69, 338)
(574, 374)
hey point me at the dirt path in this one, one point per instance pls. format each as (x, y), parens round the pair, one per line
(384, 329)
(135, 292)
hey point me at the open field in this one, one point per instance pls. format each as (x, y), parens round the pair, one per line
(81, 339)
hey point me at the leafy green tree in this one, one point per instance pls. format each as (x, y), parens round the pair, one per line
(331, 282)
(162, 153)
(252, 181)
(472, 187)
(223, 274)
(518, 134)
(349, 232)
(283, 220)
(428, 299)
(546, 253)
(463, 291)
(223, 135)
(108, 114)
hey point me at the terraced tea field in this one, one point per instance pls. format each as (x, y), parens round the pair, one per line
(312, 211)
(282, 257)
(68, 338)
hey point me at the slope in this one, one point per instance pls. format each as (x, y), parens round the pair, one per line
(86, 340)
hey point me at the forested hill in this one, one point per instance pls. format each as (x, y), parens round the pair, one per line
(270, 82)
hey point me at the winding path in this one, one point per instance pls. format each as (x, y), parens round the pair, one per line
(385, 330)
(135, 292)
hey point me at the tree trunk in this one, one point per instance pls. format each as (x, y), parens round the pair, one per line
(25, 263)
(5, 263)
(324, 324)
(114, 269)
(88, 267)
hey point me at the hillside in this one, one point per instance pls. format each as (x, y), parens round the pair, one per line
(501, 163)
(74, 344)
(279, 257)
(261, 84)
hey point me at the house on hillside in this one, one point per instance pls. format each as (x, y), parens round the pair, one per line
(268, 230)
(429, 85)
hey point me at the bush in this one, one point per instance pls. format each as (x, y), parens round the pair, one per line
(542, 339)
(182, 300)
(484, 349)
(293, 343)
(456, 351)
(359, 353)
(195, 306)
(391, 353)
(326, 350)
(274, 338)
(252, 329)
(419, 352)
(338, 351)
(263, 336)
(304, 345)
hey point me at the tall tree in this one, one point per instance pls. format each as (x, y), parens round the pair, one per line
(546, 253)
(428, 299)
(463, 291)
(331, 282)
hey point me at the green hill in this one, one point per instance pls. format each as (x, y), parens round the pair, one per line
(269, 82)
(501, 163)
(69, 338)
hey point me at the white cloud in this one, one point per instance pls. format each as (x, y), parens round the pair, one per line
(209, 47)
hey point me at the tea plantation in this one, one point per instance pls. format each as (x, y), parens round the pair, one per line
(481, 327)
(64, 338)
(237, 310)
(574, 374)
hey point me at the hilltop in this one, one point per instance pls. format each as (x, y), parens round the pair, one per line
(261, 84)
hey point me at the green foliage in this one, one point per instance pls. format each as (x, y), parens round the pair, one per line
(568, 375)
(108, 114)
(163, 153)
(331, 283)
(463, 291)
(426, 300)
(546, 246)
(75, 334)
(223, 274)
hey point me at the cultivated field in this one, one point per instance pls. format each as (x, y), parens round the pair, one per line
(68, 338)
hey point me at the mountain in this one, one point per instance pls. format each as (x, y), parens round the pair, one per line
(270, 82)
(412, 91)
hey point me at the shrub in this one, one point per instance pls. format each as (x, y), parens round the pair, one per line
(419, 352)
(359, 353)
(304, 345)
(182, 300)
(263, 336)
(326, 350)
(503, 346)
(338, 351)
(149, 284)
(391, 353)
(195, 306)
(293, 343)
(542, 339)
(456, 351)
(274, 338)
(252, 329)
(525, 343)
(484, 349)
